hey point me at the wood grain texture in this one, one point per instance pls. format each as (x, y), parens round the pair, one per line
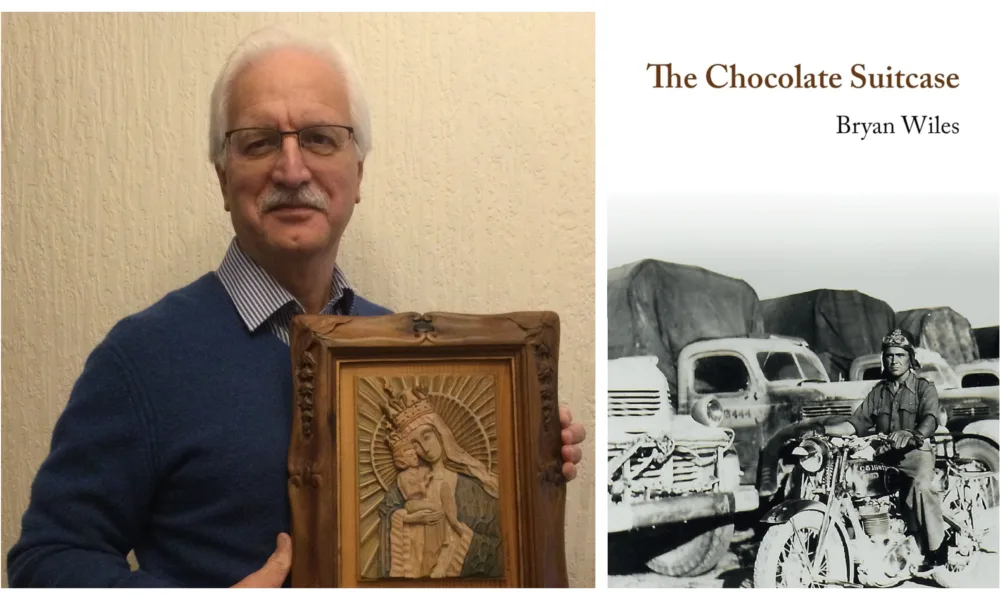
(324, 524)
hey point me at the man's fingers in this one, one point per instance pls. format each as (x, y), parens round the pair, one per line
(574, 434)
(572, 454)
(565, 417)
(569, 471)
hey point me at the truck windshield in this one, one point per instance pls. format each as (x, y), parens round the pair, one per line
(789, 366)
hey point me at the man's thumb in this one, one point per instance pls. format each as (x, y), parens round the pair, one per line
(275, 570)
(280, 562)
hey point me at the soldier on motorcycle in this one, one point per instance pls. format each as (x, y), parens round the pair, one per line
(905, 406)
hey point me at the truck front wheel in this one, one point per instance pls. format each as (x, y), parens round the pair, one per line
(702, 544)
(696, 556)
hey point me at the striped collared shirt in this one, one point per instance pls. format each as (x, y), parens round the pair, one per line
(260, 300)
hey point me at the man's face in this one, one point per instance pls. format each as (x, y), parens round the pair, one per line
(289, 90)
(897, 361)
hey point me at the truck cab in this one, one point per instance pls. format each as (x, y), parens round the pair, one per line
(979, 373)
(762, 385)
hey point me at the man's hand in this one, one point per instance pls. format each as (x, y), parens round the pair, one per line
(275, 570)
(572, 435)
(902, 439)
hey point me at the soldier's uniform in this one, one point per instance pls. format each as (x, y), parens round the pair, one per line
(902, 405)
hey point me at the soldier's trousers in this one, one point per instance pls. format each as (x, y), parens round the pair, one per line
(920, 497)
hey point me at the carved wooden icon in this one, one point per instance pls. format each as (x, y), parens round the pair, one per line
(426, 451)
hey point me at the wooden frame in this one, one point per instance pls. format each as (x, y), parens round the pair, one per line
(482, 390)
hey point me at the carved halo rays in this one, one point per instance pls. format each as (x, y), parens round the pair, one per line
(466, 403)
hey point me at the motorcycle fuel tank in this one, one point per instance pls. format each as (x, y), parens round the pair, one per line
(867, 478)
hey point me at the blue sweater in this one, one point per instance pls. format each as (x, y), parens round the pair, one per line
(174, 443)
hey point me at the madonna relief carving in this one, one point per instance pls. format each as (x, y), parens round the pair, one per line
(426, 451)
(429, 492)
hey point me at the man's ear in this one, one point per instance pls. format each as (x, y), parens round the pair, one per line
(222, 186)
(361, 176)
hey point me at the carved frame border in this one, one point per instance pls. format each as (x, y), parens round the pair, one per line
(531, 339)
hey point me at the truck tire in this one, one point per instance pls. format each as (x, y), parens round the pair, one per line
(979, 450)
(988, 457)
(702, 552)
(696, 556)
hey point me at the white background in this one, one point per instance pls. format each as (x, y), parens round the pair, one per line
(723, 178)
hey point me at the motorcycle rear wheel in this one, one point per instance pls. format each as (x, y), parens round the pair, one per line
(779, 557)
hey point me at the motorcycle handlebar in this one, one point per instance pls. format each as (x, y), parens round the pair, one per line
(858, 442)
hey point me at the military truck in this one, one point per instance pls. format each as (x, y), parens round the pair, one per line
(707, 332)
(762, 384)
(673, 480)
(984, 372)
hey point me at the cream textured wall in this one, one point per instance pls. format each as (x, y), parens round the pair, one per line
(478, 197)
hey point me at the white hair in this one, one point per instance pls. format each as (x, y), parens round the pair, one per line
(270, 39)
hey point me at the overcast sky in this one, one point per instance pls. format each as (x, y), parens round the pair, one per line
(909, 252)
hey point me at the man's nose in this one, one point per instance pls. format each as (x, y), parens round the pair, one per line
(290, 168)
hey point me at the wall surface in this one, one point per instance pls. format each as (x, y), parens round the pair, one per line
(478, 196)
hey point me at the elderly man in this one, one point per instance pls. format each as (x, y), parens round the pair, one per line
(174, 440)
(905, 406)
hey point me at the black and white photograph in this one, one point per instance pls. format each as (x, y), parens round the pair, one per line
(802, 391)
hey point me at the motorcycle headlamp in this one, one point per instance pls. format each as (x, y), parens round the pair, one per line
(811, 455)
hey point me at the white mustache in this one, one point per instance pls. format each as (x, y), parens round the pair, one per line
(307, 196)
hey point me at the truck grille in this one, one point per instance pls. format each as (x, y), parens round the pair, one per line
(694, 466)
(827, 409)
(973, 411)
(689, 468)
(633, 403)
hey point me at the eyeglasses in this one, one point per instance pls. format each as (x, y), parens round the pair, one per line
(260, 142)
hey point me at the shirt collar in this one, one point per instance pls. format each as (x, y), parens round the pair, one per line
(909, 381)
(258, 296)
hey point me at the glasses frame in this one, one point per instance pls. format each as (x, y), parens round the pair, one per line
(296, 133)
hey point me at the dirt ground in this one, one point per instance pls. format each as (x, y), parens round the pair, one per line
(735, 570)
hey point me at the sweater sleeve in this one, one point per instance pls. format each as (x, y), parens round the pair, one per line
(89, 501)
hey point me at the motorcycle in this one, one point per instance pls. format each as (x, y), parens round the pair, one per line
(840, 524)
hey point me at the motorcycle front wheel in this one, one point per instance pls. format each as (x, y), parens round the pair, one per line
(785, 555)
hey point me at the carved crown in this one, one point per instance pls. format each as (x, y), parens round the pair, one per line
(402, 408)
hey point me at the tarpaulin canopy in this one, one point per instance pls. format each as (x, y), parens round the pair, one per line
(657, 308)
(839, 325)
(988, 342)
(942, 330)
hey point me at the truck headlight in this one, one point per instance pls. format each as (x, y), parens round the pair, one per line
(708, 411)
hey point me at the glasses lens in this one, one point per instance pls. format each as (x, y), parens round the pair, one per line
(325, 139)
(254, 143)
